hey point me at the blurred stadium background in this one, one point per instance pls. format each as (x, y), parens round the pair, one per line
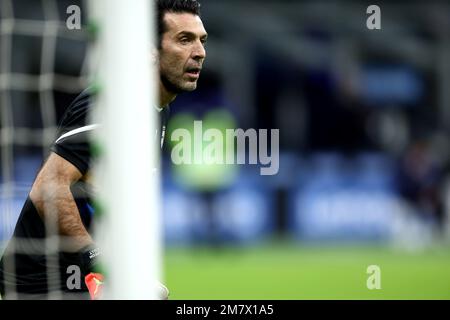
(364, 119)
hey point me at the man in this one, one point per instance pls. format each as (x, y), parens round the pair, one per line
(60, 199)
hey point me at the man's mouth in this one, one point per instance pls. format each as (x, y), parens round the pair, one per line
(193, 72)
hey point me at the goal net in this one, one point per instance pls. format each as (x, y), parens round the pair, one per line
(50, 51)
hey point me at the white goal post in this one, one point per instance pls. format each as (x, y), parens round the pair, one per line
(129, 227)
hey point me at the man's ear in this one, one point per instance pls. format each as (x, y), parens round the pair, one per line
(154, 56)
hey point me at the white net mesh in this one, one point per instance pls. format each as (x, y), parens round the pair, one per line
(43, 66)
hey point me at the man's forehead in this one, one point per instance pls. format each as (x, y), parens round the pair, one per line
(183, 22)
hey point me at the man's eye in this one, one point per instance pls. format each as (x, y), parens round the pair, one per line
(184, 40)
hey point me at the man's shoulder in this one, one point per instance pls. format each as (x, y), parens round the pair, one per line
(72, 141)
(82, 103)
(76, 114)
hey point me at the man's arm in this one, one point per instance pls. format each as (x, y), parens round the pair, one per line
(55, 203)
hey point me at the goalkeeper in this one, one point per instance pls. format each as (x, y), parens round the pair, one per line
(59, 202)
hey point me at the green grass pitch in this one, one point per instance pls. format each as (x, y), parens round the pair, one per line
(287, 271)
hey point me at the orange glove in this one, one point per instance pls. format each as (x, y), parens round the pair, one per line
(94, 283)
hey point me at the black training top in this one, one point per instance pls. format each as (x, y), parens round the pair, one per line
(35, 272)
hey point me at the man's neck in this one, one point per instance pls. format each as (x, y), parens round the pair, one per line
(165, 97)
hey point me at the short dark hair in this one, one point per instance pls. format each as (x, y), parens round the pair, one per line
(175, 6)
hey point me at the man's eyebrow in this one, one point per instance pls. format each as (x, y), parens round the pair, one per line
(191, 34)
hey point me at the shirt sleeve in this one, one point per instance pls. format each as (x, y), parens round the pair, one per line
(72, 141)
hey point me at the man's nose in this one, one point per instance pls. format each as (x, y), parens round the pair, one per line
(199, 52)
